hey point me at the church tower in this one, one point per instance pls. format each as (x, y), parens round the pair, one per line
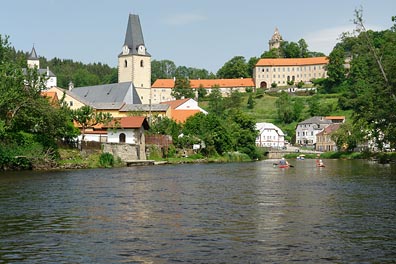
(134, 62)
(276, 40)
(33, 60)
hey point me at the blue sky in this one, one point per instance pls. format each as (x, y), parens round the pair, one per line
(193, 33)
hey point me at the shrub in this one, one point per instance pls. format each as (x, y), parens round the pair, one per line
(106, 160)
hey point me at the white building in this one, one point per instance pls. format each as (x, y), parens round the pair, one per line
(269, 136)
(34, 62)
(307, 130)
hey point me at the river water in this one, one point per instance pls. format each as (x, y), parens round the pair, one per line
(201, 213)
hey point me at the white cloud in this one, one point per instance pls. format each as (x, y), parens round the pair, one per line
(184, 19)
(324, 40)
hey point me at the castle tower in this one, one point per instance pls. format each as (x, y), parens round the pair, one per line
(276, 40)
(33, 60)
(134, 62)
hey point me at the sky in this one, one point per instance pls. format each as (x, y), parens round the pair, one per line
(202, 34)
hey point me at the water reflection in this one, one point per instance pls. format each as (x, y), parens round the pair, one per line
(203, 213)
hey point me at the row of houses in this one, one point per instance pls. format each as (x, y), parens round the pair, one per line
(313, 132)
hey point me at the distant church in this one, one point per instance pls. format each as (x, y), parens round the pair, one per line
(34, 62)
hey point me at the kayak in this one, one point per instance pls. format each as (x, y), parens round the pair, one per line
(283, 166)
(320, 165)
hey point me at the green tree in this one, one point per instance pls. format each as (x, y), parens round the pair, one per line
(336, 71)
(216, 101)
(163, 69)
(182, 89)
(303, 46)
(271, 54)
(289, 50)
(250, 102)
(86, 117)
(234, 68)
(202, 92)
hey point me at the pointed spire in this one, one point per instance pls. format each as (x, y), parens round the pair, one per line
(33, 54)
(134, 34)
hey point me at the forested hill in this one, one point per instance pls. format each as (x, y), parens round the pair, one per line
(67, 70)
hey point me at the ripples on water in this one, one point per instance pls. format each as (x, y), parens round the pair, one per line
(201, 213)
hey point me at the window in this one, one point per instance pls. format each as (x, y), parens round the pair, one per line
(71, 103)
(122, 138)
(125, 63)
(141, 63)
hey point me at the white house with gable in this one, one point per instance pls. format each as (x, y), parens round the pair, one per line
(269, 136)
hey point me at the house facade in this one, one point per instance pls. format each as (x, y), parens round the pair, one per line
(283, 70)
(270, 136)
(323, 138)
(307, 130)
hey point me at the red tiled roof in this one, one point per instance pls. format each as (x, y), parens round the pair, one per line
(163, 83)
(207, 83)
(292, 61)
(335, 117)
(127, 122)
(180, 116)
(175, 103)
(329, 129)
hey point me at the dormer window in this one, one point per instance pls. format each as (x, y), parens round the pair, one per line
(141, 49)
(125, 50)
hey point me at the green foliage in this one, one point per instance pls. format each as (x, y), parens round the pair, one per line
(288, 110)
(274, 85)
(216, 101)
(250, 102)
(106, 160)
(234, 68)
(291, 50)
(86, 116)
(182, 89)
(300, 84)
(370, 87)
(202, 92)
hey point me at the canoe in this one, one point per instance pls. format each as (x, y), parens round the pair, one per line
(283, 166)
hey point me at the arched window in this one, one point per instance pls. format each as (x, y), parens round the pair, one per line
(122, 138)
(141, 64)
(125, 63)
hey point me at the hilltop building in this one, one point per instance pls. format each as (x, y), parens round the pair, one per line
(34, 62)
(162, 88)
(276, 40)
(283, 70)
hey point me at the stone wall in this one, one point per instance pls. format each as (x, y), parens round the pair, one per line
(126, 152)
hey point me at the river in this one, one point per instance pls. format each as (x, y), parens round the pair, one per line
(201, 213)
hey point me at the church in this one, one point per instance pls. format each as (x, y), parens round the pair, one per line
(34, 62)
